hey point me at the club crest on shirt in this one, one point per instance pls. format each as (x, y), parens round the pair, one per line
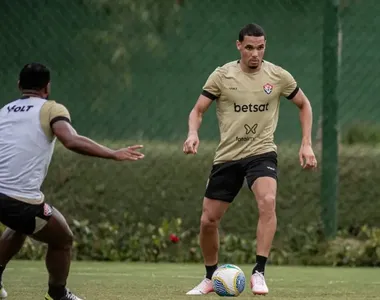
(268, 88)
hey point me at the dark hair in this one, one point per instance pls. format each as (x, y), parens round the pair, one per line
(251, 30)
(34, 77)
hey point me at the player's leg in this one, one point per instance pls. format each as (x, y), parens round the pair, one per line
(212, 213)
(45, 224)
(262, 178)
(264, 189)
(224, 183)
(10, 244)
(59, 238)
(12, 238)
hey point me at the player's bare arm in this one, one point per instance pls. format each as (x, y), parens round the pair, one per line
(306, 153)
(195, 120)
(68, 136)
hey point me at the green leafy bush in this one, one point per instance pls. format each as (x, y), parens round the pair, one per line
(363, 249)
(167, 183)
(362, 133)
(127, 211)
(135, 241)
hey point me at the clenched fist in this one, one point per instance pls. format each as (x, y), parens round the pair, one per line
(191, 144)
(307, 157)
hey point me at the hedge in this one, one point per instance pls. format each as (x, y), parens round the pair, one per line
(128, 240)
(168, 184)
(149, 210)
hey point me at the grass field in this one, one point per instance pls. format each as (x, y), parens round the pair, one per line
(103, 281)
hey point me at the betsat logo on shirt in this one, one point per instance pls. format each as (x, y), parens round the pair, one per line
(250, 107)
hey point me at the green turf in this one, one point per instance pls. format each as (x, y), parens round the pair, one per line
(107, 281)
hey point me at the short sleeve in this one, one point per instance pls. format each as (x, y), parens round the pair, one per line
(212, 87)
(289, 85)
(50, 113)
(58, 112)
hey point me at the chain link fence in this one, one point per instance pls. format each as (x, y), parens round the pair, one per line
(139, 65)
(132, 70)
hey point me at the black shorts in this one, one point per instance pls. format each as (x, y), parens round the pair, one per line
(23, 217)
(226, 179)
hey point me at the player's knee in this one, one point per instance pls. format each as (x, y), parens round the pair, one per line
(68, 239)
(66, 236)
(267, 204)
(65, 240)
(208, 222)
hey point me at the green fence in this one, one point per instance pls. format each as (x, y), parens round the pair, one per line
(132, 70)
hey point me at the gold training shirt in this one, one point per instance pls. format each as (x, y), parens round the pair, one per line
(247, 108)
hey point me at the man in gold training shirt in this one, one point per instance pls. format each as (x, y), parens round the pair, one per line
(247, 94)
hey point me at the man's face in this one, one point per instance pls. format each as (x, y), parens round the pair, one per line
(252, 50)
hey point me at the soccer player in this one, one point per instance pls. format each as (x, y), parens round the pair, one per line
(247, 94)
(29, 127)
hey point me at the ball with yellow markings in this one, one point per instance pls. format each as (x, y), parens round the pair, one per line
(228, 281)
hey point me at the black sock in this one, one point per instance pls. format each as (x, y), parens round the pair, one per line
(2, 268)
(210, 270)
(57, 291)
(260, 264)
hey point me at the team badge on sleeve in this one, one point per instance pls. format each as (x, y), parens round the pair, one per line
(268, 88)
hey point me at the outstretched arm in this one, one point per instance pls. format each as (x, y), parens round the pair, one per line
(68, 136)
(56, 122)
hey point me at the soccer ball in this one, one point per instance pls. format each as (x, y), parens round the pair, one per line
(228, 281)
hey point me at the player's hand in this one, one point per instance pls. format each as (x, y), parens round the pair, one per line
(307, 157)
(129, 153)
(191, 144)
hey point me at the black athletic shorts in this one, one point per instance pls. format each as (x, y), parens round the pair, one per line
(226, 179)
(23, 217)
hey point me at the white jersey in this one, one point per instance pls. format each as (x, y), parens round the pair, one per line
(26, 146)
